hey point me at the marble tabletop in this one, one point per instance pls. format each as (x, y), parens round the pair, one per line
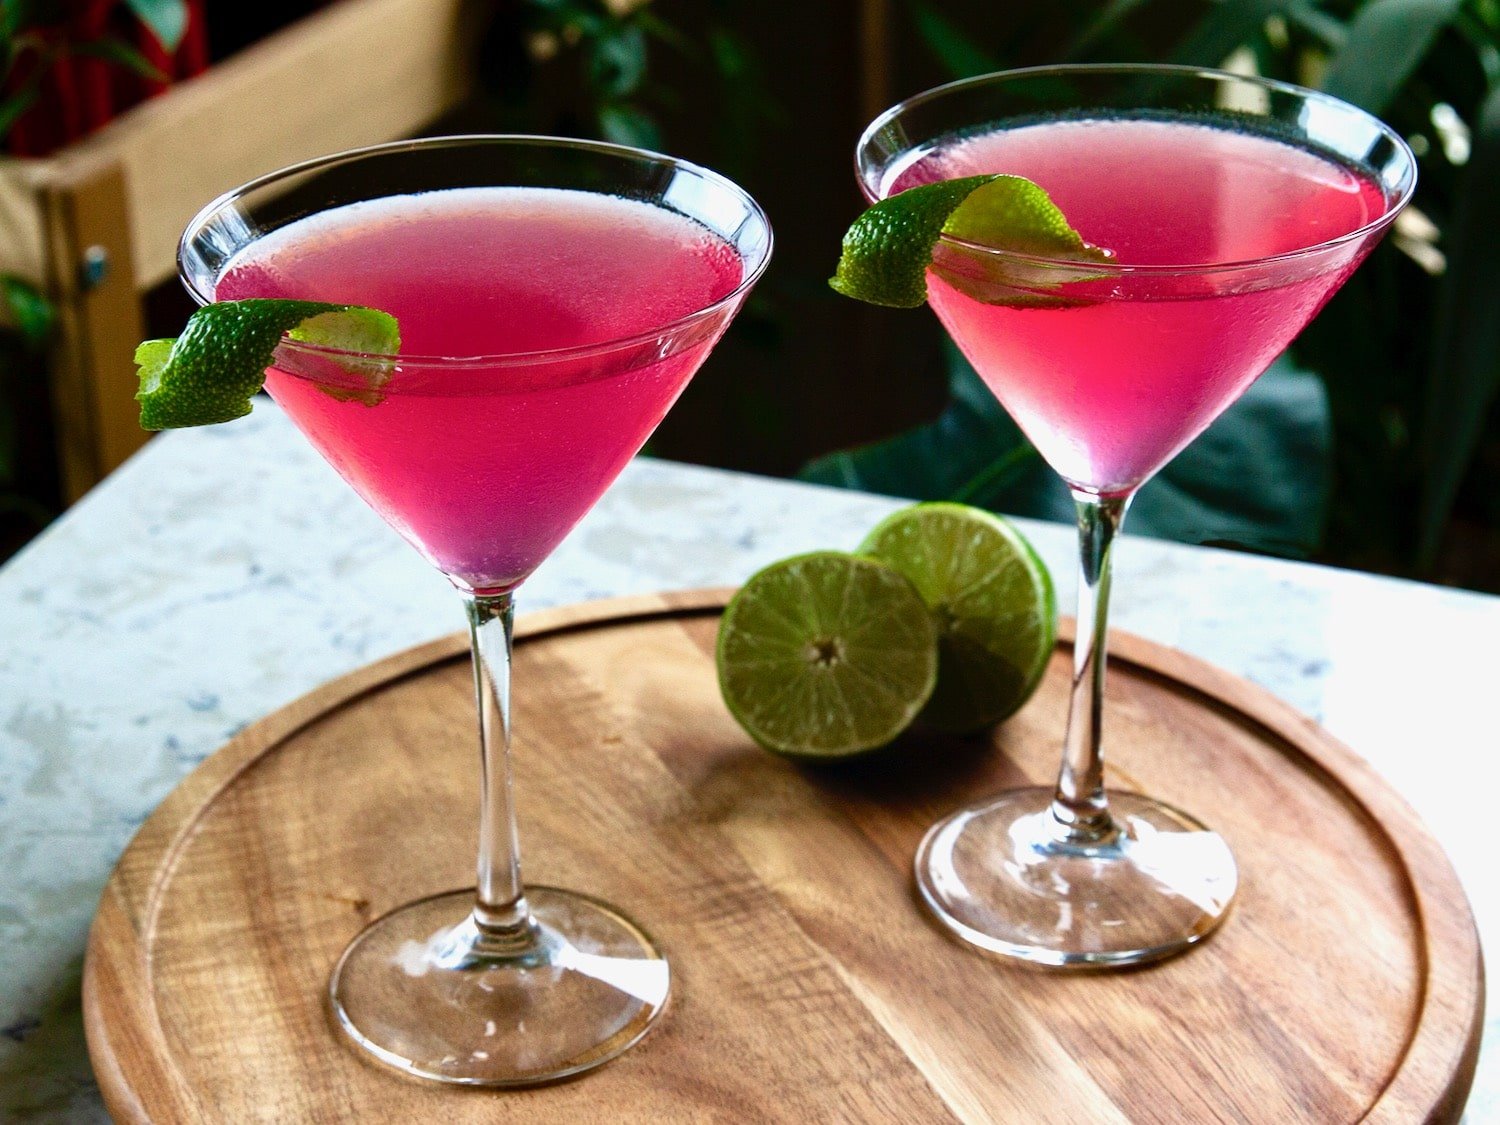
(224, 572)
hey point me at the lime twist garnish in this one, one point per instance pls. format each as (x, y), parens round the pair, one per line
(210, 372)
(991, 598)
(888, 249)
(826, 655)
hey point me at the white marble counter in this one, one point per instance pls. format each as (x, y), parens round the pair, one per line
(226, 571)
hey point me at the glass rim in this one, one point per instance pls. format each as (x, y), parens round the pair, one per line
(517, 358)
(1112, 269)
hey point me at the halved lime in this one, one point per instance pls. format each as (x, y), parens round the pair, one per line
(993, 602)
(210, 372)
(887, 249)
(826, 655)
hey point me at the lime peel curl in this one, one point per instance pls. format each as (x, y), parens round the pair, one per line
(210, 372)
(888, 249)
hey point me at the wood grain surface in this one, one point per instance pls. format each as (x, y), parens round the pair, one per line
(809, 986)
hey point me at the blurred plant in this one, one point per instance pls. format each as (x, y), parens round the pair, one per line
(1409, 351)
(74, 52)
(592, 56)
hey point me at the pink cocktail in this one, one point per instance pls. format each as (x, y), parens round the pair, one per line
(1110, 386)
(1233, 208)
(484, 464)
(554, 298)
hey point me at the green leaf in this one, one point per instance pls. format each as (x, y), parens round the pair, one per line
(628, 125)
(14, 16)
(1466, 339)
(167, 19)
(31, 310)
(616, 61)
(1480, 37)
(728, 51)
(122, 54)
(1258, 477)
(658, 28)
(14, 106)
(1329, 30)
(960, 55)
(1386, 41)
(1227, 25)
(937, 460)
(1100, 28)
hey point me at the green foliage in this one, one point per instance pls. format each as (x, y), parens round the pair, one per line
(616, 59)
(31, 312)
(1224, 28)
(961, 55)
(600, 54)
(15, 105)
(1397, 33)
(20, 21)
(120, 53)
(1465, 367)
(1279, 436)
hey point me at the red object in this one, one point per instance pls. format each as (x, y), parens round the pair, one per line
(93, 74)
(80, 93)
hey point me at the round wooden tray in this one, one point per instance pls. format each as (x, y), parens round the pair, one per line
(809, 985)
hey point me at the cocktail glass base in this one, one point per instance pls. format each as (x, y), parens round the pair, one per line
(425, 991)
(1004, 876)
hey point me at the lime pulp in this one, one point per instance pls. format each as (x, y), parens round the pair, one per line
(826, 655)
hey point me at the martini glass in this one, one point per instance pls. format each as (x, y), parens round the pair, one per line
(1234, 208)
(554, 299)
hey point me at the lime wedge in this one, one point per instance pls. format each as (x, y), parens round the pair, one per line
(992, 600)
(888, 249)
(826, 655)
(209, 373)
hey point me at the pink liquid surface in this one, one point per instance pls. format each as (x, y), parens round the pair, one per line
(486, 466)
(1111, 387)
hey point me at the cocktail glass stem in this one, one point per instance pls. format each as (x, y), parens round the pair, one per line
(1080, 806)
(500, 911)
(498, 984)
(1068, 876)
